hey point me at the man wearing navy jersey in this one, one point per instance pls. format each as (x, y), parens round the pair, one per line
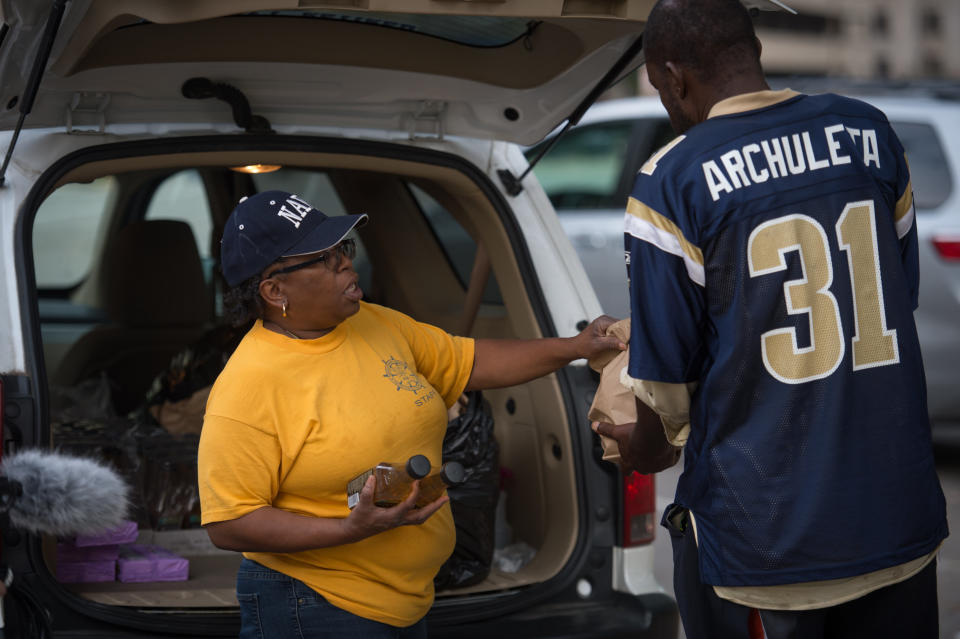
(772, 256)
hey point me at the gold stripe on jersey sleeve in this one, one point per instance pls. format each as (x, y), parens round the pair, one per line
(651, 164)
(904, 211)
(904, 204)
(641, 211)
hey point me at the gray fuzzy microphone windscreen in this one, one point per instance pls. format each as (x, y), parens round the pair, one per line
(64, 495)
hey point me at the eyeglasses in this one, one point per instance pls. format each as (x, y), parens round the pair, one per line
(332, 256)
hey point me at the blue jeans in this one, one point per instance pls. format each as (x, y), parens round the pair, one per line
(275, 606)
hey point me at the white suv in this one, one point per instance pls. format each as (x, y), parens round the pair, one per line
(589, 172)
(153, 119)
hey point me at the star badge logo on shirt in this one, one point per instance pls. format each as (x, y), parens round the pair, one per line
(401, 375)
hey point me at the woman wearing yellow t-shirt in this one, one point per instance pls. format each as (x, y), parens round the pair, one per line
(322, 387)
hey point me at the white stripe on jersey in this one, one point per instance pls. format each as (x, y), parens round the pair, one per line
(905, 223)
(665, 241)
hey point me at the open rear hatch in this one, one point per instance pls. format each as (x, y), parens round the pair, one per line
(507, 70)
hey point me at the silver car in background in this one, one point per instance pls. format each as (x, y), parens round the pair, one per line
(589, 173)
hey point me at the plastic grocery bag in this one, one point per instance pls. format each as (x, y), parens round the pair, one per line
(470, 441)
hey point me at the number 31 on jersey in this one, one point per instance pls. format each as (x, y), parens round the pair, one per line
(873, 344)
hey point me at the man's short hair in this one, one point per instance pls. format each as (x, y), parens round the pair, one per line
(705, 35)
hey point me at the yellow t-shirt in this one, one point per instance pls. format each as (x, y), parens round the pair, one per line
(290, 422)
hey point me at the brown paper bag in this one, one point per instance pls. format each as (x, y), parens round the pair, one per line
(613, 403)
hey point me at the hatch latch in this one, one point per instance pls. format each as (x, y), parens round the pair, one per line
(86, 112)
(425, 120)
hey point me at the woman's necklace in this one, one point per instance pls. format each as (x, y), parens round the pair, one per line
(285, 331)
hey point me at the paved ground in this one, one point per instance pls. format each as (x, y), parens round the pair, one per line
(948, 567)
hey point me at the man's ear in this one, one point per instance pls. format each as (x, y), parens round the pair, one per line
(676, 80)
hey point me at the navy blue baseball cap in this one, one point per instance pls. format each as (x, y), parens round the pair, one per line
(274, 224)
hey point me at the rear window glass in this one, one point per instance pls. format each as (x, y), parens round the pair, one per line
(929, 168)
(313, 186)
(476, 31)
(459, 247)
(68, 227)
(183, 197)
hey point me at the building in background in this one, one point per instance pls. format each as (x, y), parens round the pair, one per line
(902, 41)
(876, 39)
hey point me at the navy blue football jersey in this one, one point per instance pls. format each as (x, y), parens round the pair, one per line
(772, 257)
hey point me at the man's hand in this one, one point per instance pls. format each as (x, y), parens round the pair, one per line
(594, 340)
(621, 434)
(643, 444)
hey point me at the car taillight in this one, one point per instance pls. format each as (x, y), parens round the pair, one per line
(948, 246)
(639, 509)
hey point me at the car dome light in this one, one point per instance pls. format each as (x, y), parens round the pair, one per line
(256, 168)
(948, 246)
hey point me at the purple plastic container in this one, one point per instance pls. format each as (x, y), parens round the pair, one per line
(125, 533)
(138, 564)
(76, 572)
(68, 552)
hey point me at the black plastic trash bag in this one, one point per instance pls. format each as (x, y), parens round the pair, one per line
(470, 441)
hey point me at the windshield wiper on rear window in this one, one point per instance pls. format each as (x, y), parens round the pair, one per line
(511, 183)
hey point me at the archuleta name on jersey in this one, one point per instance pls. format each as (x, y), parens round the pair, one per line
(783, 156)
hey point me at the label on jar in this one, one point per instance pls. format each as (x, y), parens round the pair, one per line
(354, 486)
